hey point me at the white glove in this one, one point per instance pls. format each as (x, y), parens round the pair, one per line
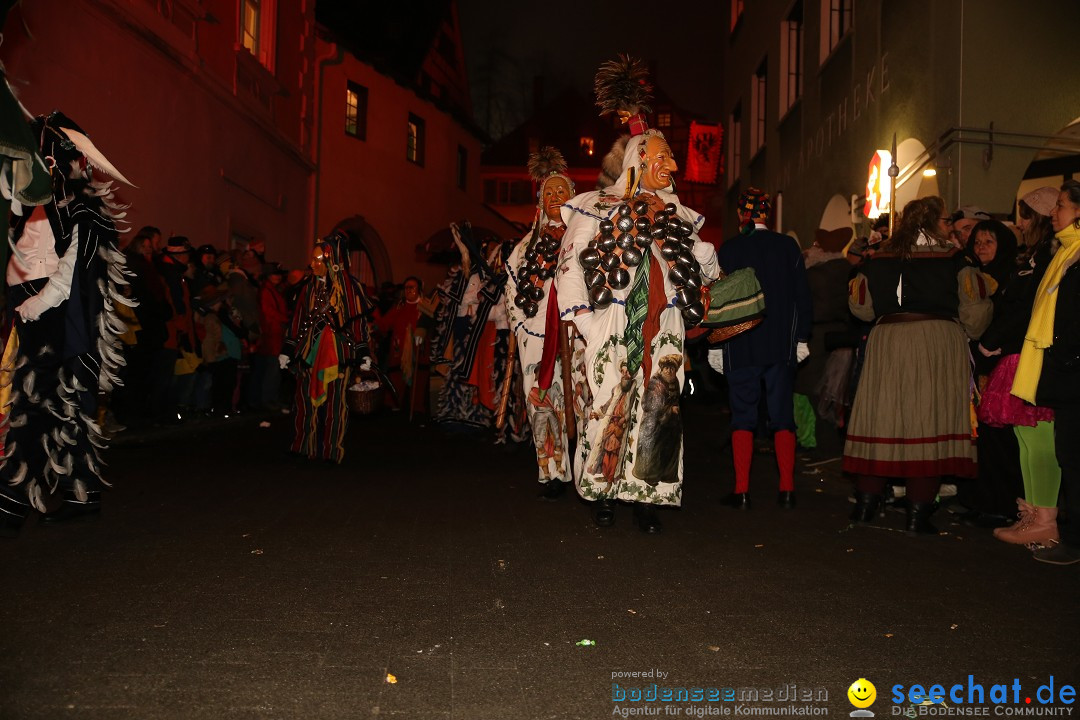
(283, 361)
(802, 351)
(365, 363)
(716, 360)
(32, 308)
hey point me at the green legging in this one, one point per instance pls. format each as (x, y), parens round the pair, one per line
(805, 422)
(1038, 464)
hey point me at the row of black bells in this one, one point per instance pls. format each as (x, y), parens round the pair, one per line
(609, 257)
(540, 259)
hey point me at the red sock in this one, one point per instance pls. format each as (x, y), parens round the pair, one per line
(742, 449)
(784, 444)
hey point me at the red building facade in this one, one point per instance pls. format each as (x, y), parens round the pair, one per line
(206, 106)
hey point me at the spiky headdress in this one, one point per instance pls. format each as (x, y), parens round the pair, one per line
(547, 163)
(622, 86)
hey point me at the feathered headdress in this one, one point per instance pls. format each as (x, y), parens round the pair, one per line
(622, 86)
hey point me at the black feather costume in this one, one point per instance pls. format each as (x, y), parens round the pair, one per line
(55, 362)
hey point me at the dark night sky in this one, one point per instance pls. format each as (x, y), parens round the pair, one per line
(506, 44)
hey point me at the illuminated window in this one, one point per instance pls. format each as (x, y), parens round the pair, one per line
(836, 21)
(356, 111)
(736, 12)
(257, 30)
(663, 119)
(588, 146)
(734, 144)
(414, 149)
(758, 95)
(791, 45)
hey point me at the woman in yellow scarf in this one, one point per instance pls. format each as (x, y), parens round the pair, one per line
(1049, 369)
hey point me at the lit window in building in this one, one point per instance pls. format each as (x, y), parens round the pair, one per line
(836, 21)
(588, 145)
(663, 119)
(736, 12)
(356, 111)
(257, 30)
(462, 167)
(791, 46)
(758, 96)
(414, 150)
(734, 144)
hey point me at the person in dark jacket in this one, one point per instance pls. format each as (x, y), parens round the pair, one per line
(768, 352)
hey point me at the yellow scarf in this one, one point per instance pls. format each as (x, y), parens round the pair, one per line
(1040, 332)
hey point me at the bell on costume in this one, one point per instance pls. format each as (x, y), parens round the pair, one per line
(618, 278)
(632, 257)
(610, 261)
(600, 296)
(641, 207)
(625, 223)
(589, 258)
(694, 313)
(594, 277)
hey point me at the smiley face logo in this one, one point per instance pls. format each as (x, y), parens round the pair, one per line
(862, 693)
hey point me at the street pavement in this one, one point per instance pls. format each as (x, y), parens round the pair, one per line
(424, 578)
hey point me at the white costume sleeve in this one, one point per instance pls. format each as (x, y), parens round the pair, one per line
(570, 278)
(57, 289)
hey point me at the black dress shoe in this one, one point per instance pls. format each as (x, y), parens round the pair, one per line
(786, 499)
(553, 490)
(866, 507)
(646, 517)
(918, 519)
(739, 501)
(605, 513)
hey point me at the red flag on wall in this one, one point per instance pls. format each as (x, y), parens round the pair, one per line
(703, 157)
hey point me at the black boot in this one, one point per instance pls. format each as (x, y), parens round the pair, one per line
(553, 489)
(645, 514)
(73, 509)
(605, 513)
(918, 519)
(866, 507)
(12, 515)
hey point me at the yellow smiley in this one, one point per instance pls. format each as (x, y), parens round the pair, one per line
(862, 693)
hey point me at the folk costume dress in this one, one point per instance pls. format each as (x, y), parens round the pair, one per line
(537, 338)
(64, 280)
(632, 446)
(326, 340)
(912, 411)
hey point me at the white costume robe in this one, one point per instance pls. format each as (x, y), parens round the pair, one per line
(546, 414)
(609, 449)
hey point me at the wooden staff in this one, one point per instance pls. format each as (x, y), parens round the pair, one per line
(511, 358)
(566, 352)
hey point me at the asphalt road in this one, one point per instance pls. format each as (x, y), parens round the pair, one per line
(423, 578)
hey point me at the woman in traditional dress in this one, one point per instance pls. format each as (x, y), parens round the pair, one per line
(911, 417)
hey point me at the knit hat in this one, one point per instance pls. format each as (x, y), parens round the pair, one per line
(178, 244)
(1042, 200)
(756, 204)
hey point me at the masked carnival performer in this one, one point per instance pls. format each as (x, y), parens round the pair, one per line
(631, 277)
(542, 346)
(64, 280)
(326, 340)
